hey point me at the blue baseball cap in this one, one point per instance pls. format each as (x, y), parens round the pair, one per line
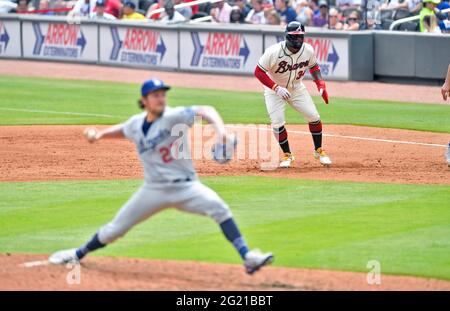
(130, 4)
(153, 85)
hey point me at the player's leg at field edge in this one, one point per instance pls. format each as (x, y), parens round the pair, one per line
(316, 131)
(281, 136)
(229, 229)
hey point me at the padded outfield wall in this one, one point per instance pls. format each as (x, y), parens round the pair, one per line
(231, 49)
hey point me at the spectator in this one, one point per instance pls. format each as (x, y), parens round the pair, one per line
(443, 5)
(256, 15)
(44, 7)
(186, 11)
(221, 12)
(143, 5)
(113, 7)
(100, 12)
(304, 13)
(333, 20)
(429, 8)
(194, 8)
(373, 8)
(430, 24)
(394, 5)
(444, 24)
(314, 5)
(236, 16)
(371, 22)
(22, 7)
(155, 6)
(242, 4)
(172, 16)
(8, 6)
(414, 6)
(320, 19)
(129, 12)
(272, 17)
(352, 21)
(82, 8)
(286, 12)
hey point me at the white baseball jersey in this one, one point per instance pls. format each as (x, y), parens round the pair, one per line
(286, 68)
(159, 150)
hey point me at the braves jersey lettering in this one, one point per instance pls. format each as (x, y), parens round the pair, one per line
(283, 66)
(286, 68)
(155, 149)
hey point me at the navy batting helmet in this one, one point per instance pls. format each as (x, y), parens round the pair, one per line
(295, 32)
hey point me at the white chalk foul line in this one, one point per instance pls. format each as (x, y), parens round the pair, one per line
(62, 112)
(350, 137)
(31, 264)
(236, 126)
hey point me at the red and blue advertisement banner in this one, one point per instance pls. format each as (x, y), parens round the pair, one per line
(219, 51)
(138, 46)
(10, 38)
(331, 53)
(60, 41)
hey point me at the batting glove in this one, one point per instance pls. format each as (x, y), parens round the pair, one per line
(282, 92)
(322, 90)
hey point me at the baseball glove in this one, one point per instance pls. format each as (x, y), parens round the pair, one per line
(223, 152)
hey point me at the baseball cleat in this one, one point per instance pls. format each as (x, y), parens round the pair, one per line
(287, 160)
(63, 257)
(322, 156)
(255, 260)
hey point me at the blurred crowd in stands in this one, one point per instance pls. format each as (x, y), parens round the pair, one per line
(347, 15)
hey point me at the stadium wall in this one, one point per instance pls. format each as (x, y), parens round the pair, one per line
(359, 56)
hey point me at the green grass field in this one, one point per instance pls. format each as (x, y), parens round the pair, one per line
(26, 100)
(312, 224)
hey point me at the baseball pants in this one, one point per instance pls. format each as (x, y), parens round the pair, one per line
(300, 100)
(192, 197)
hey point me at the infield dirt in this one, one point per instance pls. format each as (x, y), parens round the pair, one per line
(103, 273)
(30, 153)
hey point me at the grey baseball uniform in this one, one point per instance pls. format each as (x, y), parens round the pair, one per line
(170, 178)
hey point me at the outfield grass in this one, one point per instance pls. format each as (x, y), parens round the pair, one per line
(25, 100)
(315, 224)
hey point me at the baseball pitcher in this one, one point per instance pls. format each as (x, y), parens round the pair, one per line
(281, 69)
(170, 180)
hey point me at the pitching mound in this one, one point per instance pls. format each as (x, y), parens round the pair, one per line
(104, 273)
(359, 154)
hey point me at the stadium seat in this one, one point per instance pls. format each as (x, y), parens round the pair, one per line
(399, 14)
